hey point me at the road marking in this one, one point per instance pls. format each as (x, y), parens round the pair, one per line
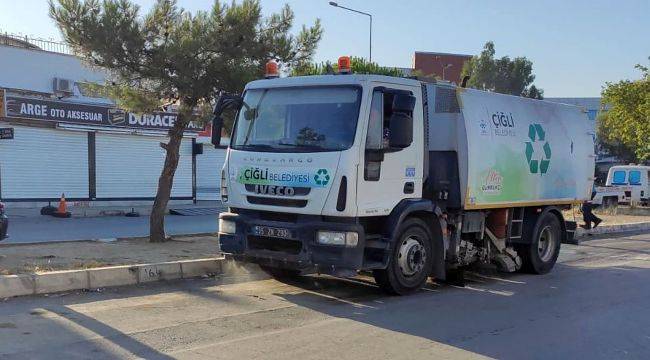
(256, 336)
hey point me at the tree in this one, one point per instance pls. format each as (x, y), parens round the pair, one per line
(504, 75)
(171, 56)
(624, 129)
(358, 66)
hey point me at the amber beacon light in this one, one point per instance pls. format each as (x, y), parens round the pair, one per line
(272, 69)
(345, 67)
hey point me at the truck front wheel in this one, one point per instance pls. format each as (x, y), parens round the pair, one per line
(411, 259)
(540, 255)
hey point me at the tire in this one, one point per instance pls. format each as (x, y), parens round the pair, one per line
(411, 259)
(279, 273)
(610, 202)
(540, 255)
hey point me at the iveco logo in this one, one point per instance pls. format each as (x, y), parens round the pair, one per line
(290, 160)
(274, 190)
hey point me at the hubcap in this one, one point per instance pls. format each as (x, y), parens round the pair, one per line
(411, 257)
(546, 244)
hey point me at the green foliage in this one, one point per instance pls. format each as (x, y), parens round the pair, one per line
(172, 56)
(358, 65)
(504, 75)
(625, 128)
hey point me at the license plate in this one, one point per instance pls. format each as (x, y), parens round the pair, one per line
(269, 231)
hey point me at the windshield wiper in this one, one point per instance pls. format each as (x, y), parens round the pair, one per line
(303, 146)
(254, 147)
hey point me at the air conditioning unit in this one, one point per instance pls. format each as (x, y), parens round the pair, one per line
(63, 85)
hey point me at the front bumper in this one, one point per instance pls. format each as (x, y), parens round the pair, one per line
(300, 251)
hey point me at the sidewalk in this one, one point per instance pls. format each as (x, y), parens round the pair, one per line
(39, 258)
(27, 269)
(90, 265)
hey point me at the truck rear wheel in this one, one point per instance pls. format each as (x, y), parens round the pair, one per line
(545, 236)
(411, 261)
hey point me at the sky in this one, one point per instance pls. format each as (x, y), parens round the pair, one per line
(575, 45)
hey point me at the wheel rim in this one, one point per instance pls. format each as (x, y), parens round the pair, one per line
(411, 256)
(546, 244)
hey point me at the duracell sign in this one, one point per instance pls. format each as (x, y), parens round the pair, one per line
(70, 113)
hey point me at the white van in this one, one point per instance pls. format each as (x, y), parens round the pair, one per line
(626, 184)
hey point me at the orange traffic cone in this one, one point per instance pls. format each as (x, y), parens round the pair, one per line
(62, 211)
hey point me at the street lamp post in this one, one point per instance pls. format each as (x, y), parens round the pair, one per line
(358, 12)
(445, 67)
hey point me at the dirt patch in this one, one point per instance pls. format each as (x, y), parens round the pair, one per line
(37, 258)
(609, 217)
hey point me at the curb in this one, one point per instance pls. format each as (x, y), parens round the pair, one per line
(67, 280)
(612, 229)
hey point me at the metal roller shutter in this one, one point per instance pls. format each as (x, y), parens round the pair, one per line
(128, 167)
(208, 172)
(43, 163)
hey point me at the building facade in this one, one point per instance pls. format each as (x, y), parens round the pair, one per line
(442, 65)
(57, 141)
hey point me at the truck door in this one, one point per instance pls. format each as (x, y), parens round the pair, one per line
(386, 175)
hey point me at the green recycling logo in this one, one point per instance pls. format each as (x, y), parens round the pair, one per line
(537, 162)
(322, 177)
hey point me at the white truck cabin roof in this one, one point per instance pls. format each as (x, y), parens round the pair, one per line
(315, 80)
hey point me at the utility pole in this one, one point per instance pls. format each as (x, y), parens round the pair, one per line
(362, 13)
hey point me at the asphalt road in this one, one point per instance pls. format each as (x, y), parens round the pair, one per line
(36, 229)
(594, 305)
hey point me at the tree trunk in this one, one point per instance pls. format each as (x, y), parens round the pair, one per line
(165, 182)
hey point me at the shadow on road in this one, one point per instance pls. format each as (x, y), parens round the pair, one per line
(573, 312)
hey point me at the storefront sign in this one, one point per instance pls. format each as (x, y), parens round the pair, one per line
(64, 112)
(6, 133)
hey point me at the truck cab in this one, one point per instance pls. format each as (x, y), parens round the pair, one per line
(317, 155)
(340, 173)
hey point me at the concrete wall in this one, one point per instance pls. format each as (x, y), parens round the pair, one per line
(35, 70)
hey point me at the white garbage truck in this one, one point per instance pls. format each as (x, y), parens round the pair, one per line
(407, 179)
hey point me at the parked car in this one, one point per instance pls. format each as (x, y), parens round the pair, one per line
(4, 222)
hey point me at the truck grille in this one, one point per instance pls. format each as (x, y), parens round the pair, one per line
(274, 244)
(445, 101)
(298, 191)
(257, 200)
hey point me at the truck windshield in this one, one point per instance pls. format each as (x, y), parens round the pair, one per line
(307, 119)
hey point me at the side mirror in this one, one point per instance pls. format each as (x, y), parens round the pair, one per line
(401, 121)
(217, 125)
(224, 103)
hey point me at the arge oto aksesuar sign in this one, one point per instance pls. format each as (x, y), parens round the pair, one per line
(71, 113)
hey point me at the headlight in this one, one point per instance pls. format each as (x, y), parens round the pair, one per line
(340, 238)
(227, 226)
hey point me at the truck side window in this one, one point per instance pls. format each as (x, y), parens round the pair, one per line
(374, 139)
(379, 123)
(635, 177)
(618, 178)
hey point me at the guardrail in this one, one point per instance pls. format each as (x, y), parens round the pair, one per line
(35, 43)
